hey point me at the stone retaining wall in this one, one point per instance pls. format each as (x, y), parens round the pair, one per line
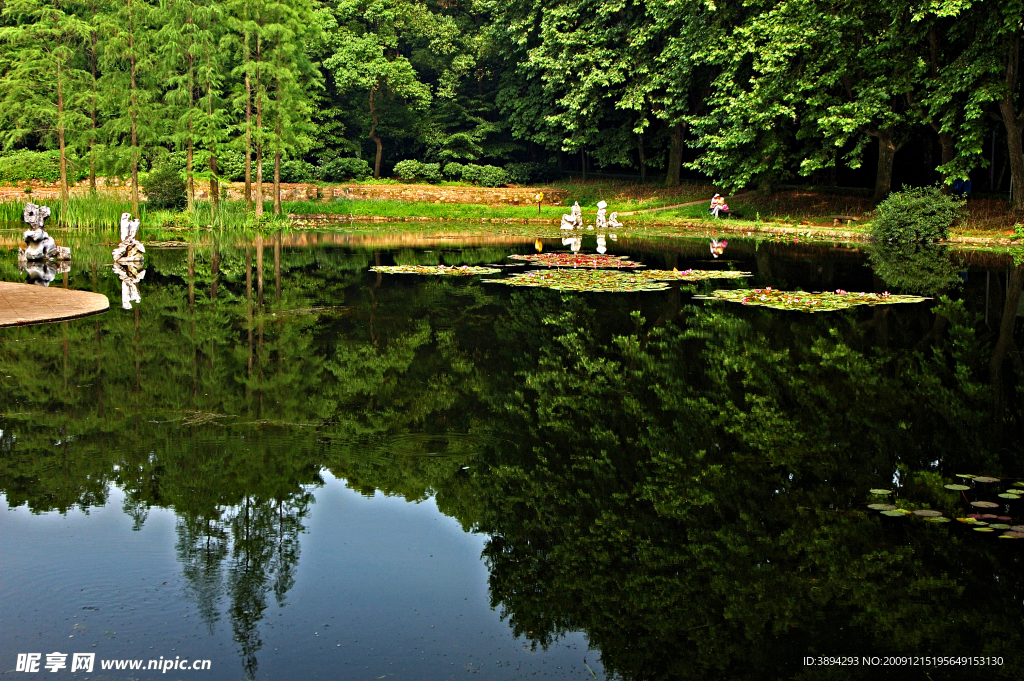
(487, 196)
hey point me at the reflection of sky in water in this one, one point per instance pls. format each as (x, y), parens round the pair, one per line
(400, 585)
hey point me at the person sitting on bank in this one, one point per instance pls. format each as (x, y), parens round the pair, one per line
(718, 206)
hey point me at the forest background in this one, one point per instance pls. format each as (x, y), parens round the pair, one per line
(747, 94)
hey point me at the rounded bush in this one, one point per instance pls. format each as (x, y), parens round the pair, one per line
(453, 171)
(410, 170)
(921, 215)
(22, 165)
(231, 166)
(165, 188)
(297, 171)
(493, 176)
(341, 169)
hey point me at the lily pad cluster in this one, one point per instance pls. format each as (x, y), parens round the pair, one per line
(893, 511)
(691, 275)
(577, 260)
(606, 281)
(978, 521)
(808, 302)
(436, 270)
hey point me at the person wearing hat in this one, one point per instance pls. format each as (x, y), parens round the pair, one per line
(718, 205)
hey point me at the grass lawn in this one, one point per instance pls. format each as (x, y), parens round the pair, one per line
(804, 209)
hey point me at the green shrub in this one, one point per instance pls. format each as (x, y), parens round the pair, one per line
(487, 176)
(165, 188)
(407, 170)
(526, 173)
(410, 170)
(21, 166)
(453, 171)
(920, 215)
(230, 163)
(341, 169)
(231, 166)
(297, 171)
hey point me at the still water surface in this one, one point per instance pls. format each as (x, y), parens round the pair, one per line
(297, 468)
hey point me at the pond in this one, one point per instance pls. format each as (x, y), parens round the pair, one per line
(295, 467)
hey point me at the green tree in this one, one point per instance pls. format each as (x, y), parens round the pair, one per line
(189, 40)
(129, 86)
(42, 74)
(366, 41)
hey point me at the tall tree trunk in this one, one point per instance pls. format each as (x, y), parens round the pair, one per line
(373, 135)
(135, 130)
(259, 130)
(675, 156)
(1014, 126)
(277, 181)
(92, 132)
(61, 139)
(248, 131)
(214, 187)
(189, 172)
(886, 156)
(946, 141)
(948, 145)
(259, 169)
(643, 159)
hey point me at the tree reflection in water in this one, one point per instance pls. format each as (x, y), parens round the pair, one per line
(685, 483)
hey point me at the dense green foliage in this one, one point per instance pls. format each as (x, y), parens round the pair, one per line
(340, 169)
(750, 94)
(21, 166)
(922, 215)
(165, 188)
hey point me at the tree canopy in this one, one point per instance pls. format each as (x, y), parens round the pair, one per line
(750, 94)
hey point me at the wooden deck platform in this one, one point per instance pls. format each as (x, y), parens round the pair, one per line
(22, 304)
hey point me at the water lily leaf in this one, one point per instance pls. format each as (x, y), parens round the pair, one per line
(985, 478)
(1005, 517)
(927, 513)
(436, 270)
(1016, 534)
(881, 507)
(1008, 496)
(1018, 484)
(691, 275)
(938, 519)
(983, 529)
(1017, 528)
(999, 526)
(988, 515)
(880, 491)
(604, 281)
(956, 487)
(896, 513)
(1007, 536)
(577, 260)
(807, 302)
(984, 504)
(965, 475)
(1018, 492)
